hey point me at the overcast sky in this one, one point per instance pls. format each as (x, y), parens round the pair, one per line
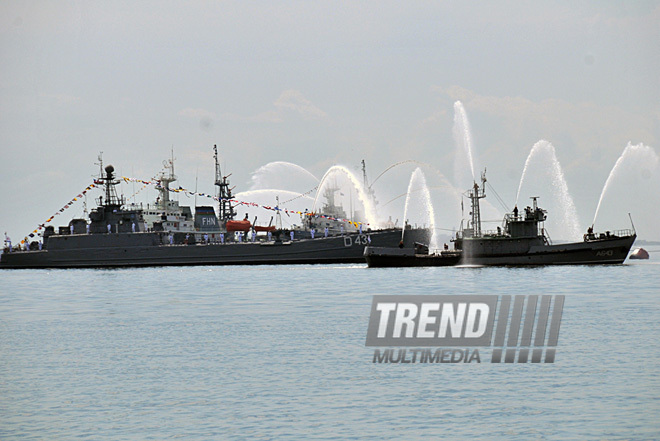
(323, 83)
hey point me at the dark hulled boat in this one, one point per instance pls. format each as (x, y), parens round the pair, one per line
(152, 249)
(383, 257)
(520, 241)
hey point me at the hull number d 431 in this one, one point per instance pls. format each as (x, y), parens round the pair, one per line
(361, 239)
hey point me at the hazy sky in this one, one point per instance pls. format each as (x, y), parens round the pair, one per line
(323, 83)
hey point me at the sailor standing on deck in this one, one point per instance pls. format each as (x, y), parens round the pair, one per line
(360, 228)
(270, 235)
(71, 228)
(206, 238)
(109, 228)
(326, 232)
(87, 228)
(312, 232)
(291, 234)
(133, 227)
(254, 235)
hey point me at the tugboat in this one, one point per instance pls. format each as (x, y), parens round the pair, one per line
(117, 235)
(521, 240)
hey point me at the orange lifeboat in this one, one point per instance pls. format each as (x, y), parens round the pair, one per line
(259, 228)
(238, 225)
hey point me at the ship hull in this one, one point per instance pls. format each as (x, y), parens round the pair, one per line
(146, 249)
(606, 251)
(385, 257)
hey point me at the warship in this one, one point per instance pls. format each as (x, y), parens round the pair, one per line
(119, 235)
(521, 240)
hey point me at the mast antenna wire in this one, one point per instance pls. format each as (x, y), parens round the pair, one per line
(631, 222)
(407, 161)
(300, 195)
(499, 199)
(414, 191)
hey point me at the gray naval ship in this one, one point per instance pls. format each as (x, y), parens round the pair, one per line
(117, 235)
(521, 240)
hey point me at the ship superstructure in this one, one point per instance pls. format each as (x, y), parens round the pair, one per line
(166, 214)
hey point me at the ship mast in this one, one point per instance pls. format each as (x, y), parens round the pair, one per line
(224, 192)
(112, 202)
(475, 194)
(367, 188)
(165, 181)
(278, 219)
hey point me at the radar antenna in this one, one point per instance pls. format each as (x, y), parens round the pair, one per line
(112, 201)
(100, 164)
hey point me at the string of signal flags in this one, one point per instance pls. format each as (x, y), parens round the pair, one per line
(60, 211)
(157, 184)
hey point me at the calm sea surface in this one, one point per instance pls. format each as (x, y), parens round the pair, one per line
(277, 352)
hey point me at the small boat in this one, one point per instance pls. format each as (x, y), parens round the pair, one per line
(261, 228)
(639, 254)
(238, 225)
(384, 257)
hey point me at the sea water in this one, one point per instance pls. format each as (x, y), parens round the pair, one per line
(278, 352)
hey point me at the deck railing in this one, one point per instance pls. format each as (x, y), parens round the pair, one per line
(609, 234)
